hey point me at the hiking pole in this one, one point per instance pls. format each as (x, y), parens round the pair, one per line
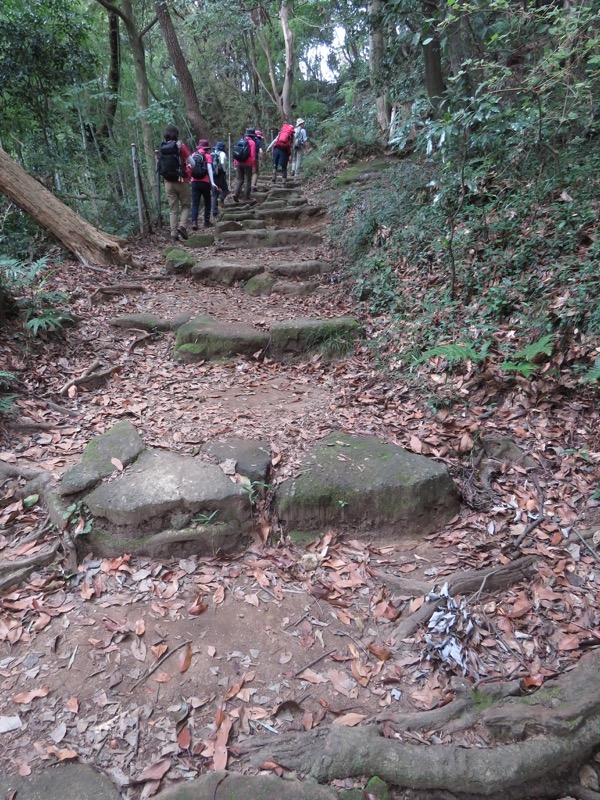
(156, 154)
(229, 161)
(138, 190)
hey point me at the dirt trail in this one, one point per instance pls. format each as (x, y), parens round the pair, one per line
(272, 645)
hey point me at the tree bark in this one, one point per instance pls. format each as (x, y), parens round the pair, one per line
(432, 52)
(290, 61)
(135, 37)
(114, 80)
(190, 97)
(79, 237)
(377, 48)
(551, 733)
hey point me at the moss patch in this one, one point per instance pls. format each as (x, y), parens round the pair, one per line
(260, 284)
(358, 172)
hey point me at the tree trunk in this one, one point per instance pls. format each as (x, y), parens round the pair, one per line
(114, 80)
(434, 79)
(290, 61)
(377, 50)
(75, 233)
(142, 86)
(192, 105)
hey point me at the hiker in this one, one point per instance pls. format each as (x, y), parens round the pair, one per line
(172, 167)
(281, 147)
(203, 182)
(219, 165)
(300, 140)
(244, 153)
(260, 152)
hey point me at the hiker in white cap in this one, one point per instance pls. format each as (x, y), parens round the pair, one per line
(300, 140)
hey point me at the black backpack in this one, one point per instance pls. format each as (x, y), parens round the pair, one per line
(199, 166)
(169, 161)
(241, 151)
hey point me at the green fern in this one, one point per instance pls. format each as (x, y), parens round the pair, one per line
(456, 353)
(544, 345)
(6, 400)
(594, 373)
(525, 368)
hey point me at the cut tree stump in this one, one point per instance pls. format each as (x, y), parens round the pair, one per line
(88, 244)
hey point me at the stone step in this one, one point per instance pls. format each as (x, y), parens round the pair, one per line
(366, 483)
(205, 338)
(282, 237)
(290, 213)
(333, 337)
(301, 269)
(224, 273)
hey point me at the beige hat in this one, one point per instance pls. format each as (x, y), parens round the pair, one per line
(299, 121)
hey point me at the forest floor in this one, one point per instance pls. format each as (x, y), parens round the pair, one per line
(258, 645)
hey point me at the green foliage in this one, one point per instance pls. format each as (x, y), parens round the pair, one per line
(6, 398)
(40, 306)
(457, 353)
(593, 375)
(77, 519)
(378, 285)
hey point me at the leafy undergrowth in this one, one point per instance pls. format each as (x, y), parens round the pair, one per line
(155, 671)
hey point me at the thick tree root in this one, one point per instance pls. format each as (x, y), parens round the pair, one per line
(551, 733)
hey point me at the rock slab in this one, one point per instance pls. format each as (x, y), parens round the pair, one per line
(122, 442)
(67, 782)
(252, 456)
(368, 483)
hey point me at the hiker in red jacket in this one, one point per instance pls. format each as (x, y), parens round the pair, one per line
(282, 147)
(245, 165)
(200, 164)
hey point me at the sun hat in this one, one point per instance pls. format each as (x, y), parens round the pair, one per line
(250, 132)
(299, 121)
(204, 143)
(220, 146)
(258, 133)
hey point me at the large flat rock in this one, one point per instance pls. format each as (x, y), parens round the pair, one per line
(301, 269)
(205, 338)
(367, 483)
(252, 456)
(333, 337)
(232, 786)
(167, 503)
(274, 238)
(209, 272)
(121, 442)
(64, 782)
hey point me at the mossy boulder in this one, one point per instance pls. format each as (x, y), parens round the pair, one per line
(121, 442)
(333, 337)
(226, 274)
(60, 782)
(205, 338)
(260, 284)
(360, 172)
(179, 261)
(144, 322)
(198, 240)
(367, 483)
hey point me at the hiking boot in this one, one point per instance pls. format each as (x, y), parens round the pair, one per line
(208, 224)
(194, 226)
(236, 199)
(221, 204)
(182, 232)
(174, 237)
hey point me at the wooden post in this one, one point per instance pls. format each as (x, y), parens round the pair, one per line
(138, 188)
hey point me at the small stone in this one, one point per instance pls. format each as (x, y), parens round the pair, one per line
(588, 777)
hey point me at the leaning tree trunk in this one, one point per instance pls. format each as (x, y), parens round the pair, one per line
(83, 240)
(188, 90)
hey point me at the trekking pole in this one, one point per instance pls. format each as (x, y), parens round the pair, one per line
(156, 154)
(229, 161)
(138, 189)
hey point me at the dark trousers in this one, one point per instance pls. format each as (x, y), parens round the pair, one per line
(220, 193)
(280, 159)
(200, 190)
(244, 174)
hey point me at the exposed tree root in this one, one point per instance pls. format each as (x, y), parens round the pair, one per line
(464, 582)
(551, 733)
(12, 573)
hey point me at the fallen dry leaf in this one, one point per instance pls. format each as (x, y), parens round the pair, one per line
(26, 697)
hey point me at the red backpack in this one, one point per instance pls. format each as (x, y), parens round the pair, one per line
(285, 137)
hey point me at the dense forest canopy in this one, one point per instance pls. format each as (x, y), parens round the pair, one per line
(497, 100)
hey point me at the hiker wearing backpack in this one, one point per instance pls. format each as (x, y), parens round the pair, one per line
(172, 167)
(281, 147)
(260, 152)
(244, 153)
(300, 140)
(219, 166)
(200, 163)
